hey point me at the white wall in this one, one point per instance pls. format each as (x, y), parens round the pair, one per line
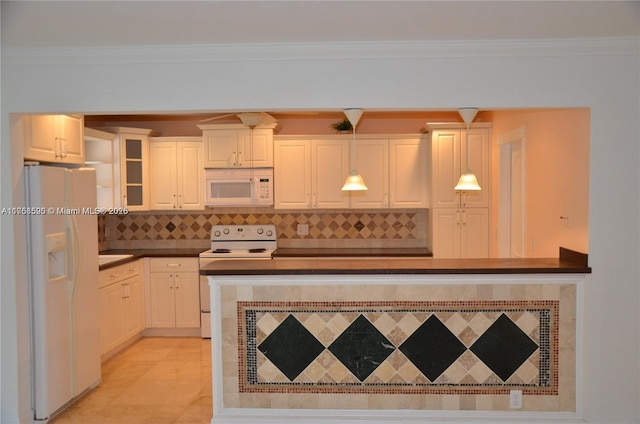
(556, 167)
(604, 76)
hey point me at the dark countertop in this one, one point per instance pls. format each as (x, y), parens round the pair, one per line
(345, 266)
(568, 262)
(149, 253)
(347, 253)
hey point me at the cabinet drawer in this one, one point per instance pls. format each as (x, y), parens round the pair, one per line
(110, 276)
(131, 269)
(173, 264)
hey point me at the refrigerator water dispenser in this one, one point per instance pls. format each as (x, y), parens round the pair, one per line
(57, 253)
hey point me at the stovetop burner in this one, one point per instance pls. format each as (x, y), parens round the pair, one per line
(221, 251)
(260, 250)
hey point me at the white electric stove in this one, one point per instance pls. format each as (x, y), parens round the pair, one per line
(237, 242)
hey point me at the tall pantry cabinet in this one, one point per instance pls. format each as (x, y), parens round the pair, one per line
(459, 220)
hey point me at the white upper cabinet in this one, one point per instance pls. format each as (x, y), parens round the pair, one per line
(372, 163)
(309, 174)
(176, 167)
(448, 161)
(395, 172)
(53, 138)
(130, 161)
(99, 155)
(236, 146)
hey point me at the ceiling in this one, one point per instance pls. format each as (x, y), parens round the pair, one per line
(127, 23)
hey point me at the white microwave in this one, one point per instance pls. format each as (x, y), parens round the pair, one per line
(238, 187)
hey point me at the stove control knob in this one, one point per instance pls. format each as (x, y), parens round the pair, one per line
(269, 233)
(260, 231)
(225, 231)
(216, 233)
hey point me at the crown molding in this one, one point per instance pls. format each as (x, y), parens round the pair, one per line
(318, 51)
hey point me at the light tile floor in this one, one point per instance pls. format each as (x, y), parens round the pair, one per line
(156, 380)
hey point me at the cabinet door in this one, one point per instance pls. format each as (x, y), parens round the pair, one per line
(445, 168)
(190, 170)
(474, 233)
(292, 174)
(164, 175)
(70, 130)
(221, 148)
(135, 151)
(446, 232)
(133, 306)
(372, 162)
(162, 288)
(479, 156)
(111, 317)
(258, 154)
(407, 173)
(40, 143)
(187, 300)
(329, 168)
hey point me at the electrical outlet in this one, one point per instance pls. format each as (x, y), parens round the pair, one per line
(515, 399)
(303, 229)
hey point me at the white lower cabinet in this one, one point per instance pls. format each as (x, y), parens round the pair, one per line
(121, 305)
(460, 232)
(174, 292)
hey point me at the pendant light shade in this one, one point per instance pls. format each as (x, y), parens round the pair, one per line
(354, 181)
(468, 180)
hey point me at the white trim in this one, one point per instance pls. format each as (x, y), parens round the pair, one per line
(323, 416)
(505, 141)
(261, 52)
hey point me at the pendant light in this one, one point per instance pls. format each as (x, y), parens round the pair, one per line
(468, 180)
(354, 181)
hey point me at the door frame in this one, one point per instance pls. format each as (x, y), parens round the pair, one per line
(507, 143)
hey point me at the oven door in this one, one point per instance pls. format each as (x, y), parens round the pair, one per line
(205, 302)
(205, 294)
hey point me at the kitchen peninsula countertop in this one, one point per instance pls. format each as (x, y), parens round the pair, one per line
(149, 253)
(409, 252)
(569, 262)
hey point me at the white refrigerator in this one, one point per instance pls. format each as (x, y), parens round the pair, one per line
(62, 244)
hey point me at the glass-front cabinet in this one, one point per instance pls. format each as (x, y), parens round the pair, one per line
(130, 163)
(133, 172)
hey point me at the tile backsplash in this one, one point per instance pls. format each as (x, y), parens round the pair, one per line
(327, 228)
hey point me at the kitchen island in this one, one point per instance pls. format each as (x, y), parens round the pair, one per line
(405, 339)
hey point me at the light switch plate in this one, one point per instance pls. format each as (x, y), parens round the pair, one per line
(303, 229)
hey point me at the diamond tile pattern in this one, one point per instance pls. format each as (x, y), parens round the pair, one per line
(329, 225)
(432, 348)
(394, 346)
(291, 347)
(504, 347)
(361, 348)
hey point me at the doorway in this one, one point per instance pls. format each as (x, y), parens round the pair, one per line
(511, 208)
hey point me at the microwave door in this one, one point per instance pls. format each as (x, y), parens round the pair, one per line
(231, 191)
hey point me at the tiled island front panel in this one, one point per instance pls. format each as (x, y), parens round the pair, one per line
(435, 347)
(406, 347)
